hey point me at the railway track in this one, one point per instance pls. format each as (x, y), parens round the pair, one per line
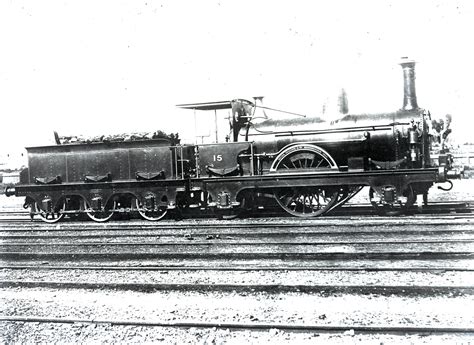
(281, 223)
(412, 275)
(434, 208)
(255, 326)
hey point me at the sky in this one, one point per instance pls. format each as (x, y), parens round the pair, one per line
(91, 66)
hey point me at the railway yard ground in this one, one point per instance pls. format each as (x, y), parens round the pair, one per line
(352, 277)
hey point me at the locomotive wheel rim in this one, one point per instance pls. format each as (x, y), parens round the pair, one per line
(316, 159)
(228, 216)
(147, 214)
(50, 217)
(98, 216)
(395, 209)
(306, 203)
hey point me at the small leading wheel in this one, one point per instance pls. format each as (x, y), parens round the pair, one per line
(99, 216)
(306, 202)
(50, 217)
(228, 214)
(400, 206)
(153, 215)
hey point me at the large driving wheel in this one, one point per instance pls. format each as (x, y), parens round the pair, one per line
(308, 201)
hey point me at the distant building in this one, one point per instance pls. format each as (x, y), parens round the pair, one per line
(10, 177)
(12, 161)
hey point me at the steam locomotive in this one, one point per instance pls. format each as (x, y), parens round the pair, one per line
(307, 165)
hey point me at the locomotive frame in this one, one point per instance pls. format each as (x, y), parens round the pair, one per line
(308, 169)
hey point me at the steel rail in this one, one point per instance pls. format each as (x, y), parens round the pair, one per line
(351, 223)
(240, 255)
(250, 326)
(214, 237)
(455, 204)
(445, 207)
(467, 213)
(238, 268)
(433, 203)
(218, 242)
(229, 235)
(323, 289)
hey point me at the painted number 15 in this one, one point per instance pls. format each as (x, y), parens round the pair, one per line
(217, 158)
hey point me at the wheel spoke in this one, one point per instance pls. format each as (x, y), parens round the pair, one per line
(306, 203)
(311, 201)
(316, 201)
(292, 200)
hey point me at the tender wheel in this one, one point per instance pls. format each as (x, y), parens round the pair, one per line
(50, 217)
(305, 201)
(98, 216)
(397, 208)
(154, 215)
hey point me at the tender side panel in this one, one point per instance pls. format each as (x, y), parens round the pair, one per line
(151, 159)
(46, 165)
(77, 163)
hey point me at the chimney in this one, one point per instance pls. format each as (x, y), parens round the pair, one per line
(409, 91)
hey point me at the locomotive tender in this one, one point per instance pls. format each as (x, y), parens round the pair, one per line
(308, 165)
